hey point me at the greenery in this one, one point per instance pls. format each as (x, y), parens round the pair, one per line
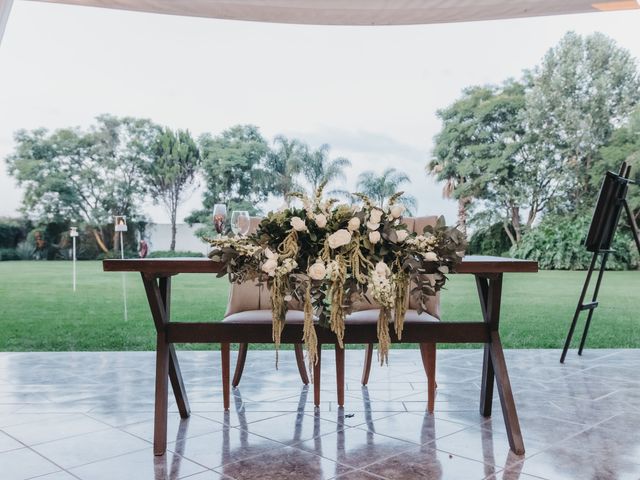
(540, 145)
(490, 241)
(74, 175)
(173, 254)
(329, 257)
(7, 254)
(41, 312)
(381, 187)
(172, 169)
(558, 243)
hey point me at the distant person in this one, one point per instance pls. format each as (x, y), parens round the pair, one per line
(144, 249)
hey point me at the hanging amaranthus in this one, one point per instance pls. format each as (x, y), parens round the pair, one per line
(309, 336)
(401, 288)
(384, 341)
(336, 294)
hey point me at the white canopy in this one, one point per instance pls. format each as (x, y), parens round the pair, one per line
(360, 12)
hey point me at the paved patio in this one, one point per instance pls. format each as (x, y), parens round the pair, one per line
(89, 416)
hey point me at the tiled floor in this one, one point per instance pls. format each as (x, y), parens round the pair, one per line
(90, 416)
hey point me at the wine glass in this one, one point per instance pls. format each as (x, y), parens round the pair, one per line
(219, 217)
(240, 222)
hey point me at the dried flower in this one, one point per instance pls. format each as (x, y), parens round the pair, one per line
(402, 235)
(339, 238)
(376, 215)
(430, 256)
(317, 271)
(397, 210)
(354, 224)
(298, 224)
(374, 237)
(373, 226)
(321, 220)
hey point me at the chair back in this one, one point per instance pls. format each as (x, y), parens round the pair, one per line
(248, 295)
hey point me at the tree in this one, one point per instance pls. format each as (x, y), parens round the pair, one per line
(72, 174)
(233, 164)
(488, 154)
(380, 187)
(173, 169)
(623, 146)
(585, 87)
(284, 162)
(318, 168)
(453, 146)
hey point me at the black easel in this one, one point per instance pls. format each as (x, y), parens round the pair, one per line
(611, 201)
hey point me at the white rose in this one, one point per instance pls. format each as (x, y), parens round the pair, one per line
(321, 220)
(354, 224)
(317, 271)
(382, 269)
(373, 226)
(431, 256)
(339, 238)
(269, 254)
(376, 215)
(397, 211)
(374, 237)
(270, 266)
(402, 235)
(298, 224)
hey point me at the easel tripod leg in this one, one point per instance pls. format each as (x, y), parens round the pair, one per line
(593, 299)
(572, 328)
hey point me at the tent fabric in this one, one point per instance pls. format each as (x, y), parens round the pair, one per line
(359, 12)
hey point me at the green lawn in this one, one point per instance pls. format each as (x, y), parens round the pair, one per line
(40, 312)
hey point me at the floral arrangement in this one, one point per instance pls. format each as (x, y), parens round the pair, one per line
(327, 256)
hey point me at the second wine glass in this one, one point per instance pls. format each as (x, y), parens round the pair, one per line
(240, 222)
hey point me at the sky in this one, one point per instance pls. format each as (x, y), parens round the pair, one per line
(372, 93)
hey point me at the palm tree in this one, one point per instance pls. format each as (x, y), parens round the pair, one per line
(317, 167)
(284, 163)
(380, 187)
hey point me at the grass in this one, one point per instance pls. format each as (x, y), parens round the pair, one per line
(40, 312)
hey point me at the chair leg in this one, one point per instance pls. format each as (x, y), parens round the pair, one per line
(428, 353)
(300, 361)
(340, 374)
(316, 378)
(225, 351)
(242, 357)
(366, 370)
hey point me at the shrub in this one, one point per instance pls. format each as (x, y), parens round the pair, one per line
(7, 254)
(24, 250)
(111, 254)
(490, 241)
(170, 254)
(558, 243)
(11, 233)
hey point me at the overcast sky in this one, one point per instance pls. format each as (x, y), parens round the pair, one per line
(370, 92)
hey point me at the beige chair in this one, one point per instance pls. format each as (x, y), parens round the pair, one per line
(250, 304)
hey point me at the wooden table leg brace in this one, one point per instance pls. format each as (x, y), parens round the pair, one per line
(494, 365)
(167, 367)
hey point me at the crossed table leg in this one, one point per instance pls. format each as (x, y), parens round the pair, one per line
(167, 367)
(494, 365)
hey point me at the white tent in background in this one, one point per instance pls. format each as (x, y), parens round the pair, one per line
(350, 12)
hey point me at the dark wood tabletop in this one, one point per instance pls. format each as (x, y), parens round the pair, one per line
(470, 264)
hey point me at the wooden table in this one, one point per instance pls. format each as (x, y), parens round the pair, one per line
(488, 271)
